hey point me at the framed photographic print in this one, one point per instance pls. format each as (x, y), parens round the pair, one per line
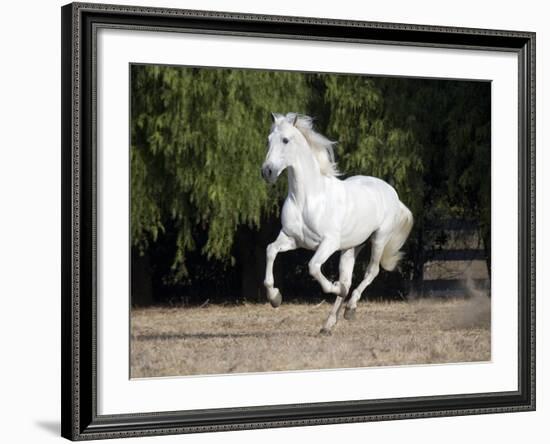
(280, 221)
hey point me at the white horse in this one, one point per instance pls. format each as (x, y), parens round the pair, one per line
(327, 214)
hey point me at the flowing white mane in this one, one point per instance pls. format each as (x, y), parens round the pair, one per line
(319, 144)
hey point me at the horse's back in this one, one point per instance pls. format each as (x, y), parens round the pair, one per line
(373, 185)
(368, 181)
(373, 198)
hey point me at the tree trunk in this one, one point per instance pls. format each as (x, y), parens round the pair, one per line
(141, 284)
(250, 278)
(419, 259)
(486, 237)
(249, 262)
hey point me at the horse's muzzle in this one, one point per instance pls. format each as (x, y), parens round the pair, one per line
(268, 173)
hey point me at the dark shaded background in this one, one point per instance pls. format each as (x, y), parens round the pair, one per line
(202, 217)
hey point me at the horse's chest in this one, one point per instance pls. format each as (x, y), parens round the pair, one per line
(298, 225)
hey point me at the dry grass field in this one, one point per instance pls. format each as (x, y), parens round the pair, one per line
(220, 339)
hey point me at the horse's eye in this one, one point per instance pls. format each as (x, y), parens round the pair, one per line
(285, 140)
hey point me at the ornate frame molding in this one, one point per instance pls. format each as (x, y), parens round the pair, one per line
(80, 420)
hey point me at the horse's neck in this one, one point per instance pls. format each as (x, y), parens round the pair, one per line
(305, 181)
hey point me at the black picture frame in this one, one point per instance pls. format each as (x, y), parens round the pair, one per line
(78, 332)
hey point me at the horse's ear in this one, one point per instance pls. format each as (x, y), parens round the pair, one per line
(275, 117)
(294, 120)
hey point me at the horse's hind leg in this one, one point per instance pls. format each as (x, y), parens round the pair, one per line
(378, 243)
(347, 262)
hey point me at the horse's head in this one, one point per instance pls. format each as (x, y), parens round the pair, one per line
(283, 142)
(293, 142)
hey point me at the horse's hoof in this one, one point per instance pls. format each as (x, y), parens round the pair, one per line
(325, 332)
(276, 300)
(349, 314)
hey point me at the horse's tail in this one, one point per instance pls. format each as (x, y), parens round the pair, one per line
(391, 255)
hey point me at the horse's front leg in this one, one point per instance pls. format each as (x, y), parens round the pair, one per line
(282, 243)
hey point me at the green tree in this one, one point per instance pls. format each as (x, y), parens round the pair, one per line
(429, 138)
(198, 139)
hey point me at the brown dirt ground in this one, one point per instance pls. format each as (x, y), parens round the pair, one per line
(220, 339)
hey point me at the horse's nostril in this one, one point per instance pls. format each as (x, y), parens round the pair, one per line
(266, 172)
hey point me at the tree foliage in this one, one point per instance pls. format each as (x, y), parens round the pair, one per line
(198, 139)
